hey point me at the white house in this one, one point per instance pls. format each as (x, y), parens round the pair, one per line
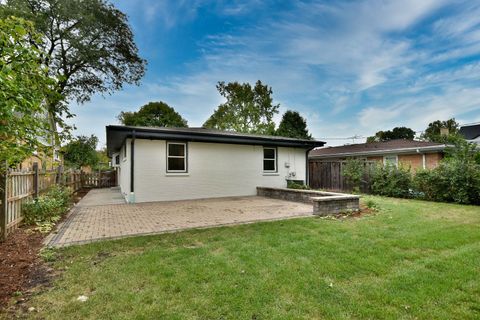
(159, 164)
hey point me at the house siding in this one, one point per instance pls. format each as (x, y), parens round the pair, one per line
(214, 170)
(124, 171)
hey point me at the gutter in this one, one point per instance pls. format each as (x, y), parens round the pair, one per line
(132, 167)
(115, 134)
(381, 152)
(307, 167)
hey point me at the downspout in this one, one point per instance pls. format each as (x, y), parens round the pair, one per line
(132, 169)
(307, 167)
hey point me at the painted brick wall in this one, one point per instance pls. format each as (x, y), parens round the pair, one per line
(214, 170)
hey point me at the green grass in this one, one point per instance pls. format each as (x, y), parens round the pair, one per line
(411, 260)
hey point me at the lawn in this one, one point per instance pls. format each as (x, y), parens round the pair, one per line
(411, 259)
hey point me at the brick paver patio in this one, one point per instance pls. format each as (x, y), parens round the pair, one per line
(96, 218)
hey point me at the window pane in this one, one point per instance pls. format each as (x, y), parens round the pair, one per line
(176, 149)
(391, 160)
(269, 153)
(176, 164)
(268, 165)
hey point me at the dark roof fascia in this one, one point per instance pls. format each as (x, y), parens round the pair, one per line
(158, 134)
(428, 149)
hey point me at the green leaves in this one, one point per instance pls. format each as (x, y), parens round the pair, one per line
(25, 87)
(247, 109)
(395, 133)
(86, 45)
(81, 151)
(153, 114)
(441, 131)
(293, 125)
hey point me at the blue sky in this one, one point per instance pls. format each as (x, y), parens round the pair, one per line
(349, 67)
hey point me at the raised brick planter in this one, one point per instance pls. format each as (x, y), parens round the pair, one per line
(324, 203)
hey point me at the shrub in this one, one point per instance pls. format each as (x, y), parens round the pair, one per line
(47, 208)
(456, 179)
(372, 205)
(353, 172)
(295, 185)
(452, 181)
(392, 181)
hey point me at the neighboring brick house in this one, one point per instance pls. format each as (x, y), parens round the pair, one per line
(471, 132)
(416, 154)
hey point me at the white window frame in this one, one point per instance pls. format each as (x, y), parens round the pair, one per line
(274, 160)
(390, 156)
(185, 154)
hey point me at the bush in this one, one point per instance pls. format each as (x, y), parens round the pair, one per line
(452, 181)
(372, 205)
(294, 185)
(47, 208)
(392, 181)
(353, 172)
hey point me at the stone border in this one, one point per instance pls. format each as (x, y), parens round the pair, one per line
(324, 203)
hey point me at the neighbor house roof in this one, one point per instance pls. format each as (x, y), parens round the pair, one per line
(471, 131)
(377, 148)
(117, 134)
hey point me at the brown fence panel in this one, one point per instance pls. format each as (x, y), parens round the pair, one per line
(328, 175)
(20, 186)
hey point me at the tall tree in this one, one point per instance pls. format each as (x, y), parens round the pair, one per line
(153, 114)
(441, 131)
(293, 125)
(395, 133)
(247, 109)
(81, 151)
(88, 46)
(24, 86)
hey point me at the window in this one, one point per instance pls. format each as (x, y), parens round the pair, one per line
(117, 160)
(176, 157)
(269, 159)
(390, 160)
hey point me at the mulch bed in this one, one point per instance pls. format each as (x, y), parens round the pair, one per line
(22, 270)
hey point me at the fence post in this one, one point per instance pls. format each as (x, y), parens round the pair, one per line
(35, 180)
(60, 175)
(3, 200)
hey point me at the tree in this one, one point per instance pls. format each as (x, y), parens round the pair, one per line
(247, 109)
(24, 87)
(81, 151)
(395, 133)
(293, 125)
(434, 130)
(153, 114)
(88, 46)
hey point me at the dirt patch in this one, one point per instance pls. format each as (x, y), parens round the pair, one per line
(364, 211)
(21, 269)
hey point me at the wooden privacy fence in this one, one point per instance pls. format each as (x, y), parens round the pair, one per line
(328, 175)
(20, 186)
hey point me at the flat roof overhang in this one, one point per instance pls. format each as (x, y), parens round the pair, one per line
(116, 135)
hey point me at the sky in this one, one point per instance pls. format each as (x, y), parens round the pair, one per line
(351, 68)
